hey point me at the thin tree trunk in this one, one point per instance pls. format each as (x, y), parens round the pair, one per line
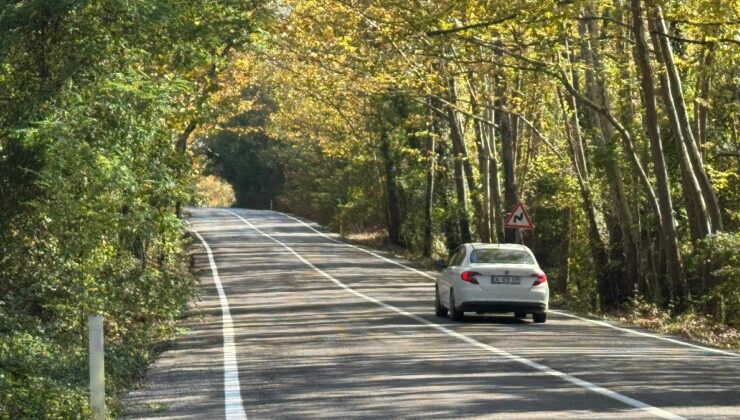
(497, 224)
(598, 248)
(459, 134)
(699, 222)
(508, 155)
(429, 190)
(507, 130)
(710, 198)
(670, 240)
(460, 188)
(494, 184)
(393, 209)
(481, 145)
(702, 95)
(451, 224)
(623, 243)
(575, 123)
(565, 249)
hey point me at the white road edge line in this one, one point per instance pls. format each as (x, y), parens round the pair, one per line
(593, 321)
(658, 412)
(233, 405)
(644, 334)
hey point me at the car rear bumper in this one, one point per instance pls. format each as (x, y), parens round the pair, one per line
(500, 307)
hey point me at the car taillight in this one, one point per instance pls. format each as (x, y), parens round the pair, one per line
(541, 278)
(469, 276)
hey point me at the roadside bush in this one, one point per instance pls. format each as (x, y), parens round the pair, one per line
(43, 359)
(41, 379)
(721, 254)
(100, 236)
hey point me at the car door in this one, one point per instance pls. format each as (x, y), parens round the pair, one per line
(443, 280)
(452, 270)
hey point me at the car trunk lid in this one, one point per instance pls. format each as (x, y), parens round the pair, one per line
(506, 278)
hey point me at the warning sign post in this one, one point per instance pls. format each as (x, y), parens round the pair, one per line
(518, 218)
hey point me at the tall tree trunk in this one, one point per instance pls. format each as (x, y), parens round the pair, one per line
(507, 128)
(393, 208)
(598, 249)
(508, 155)
(565, 249)
(497, 222)
(429, 190)
(458, 137)
(481, 145)
(460, 188)
(699, 222)
(702, 95)
(710, 198)
(619, 220)
(450, 224)
(670, 239)
(572, 111)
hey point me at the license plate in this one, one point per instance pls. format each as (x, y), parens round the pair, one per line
(505, 280)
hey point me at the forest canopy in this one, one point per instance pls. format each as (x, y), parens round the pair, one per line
(614, 121)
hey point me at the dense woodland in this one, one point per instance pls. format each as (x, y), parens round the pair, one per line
(614, 121)
(98, 103)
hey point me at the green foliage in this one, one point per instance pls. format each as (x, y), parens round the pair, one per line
(356, 97)
(41, 379)
(93, 96)
(720, 253)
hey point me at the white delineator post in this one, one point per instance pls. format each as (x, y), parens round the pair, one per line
(97, 366)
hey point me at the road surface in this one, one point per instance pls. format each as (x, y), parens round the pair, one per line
(293, 323)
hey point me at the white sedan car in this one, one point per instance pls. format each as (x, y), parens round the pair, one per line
(486, 278)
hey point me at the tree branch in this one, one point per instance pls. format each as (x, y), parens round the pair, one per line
(696, 41)
(456, 29)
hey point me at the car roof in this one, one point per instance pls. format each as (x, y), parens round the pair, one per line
(480, 245)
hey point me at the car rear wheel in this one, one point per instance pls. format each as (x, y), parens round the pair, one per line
(539, 317)
(455, 315)
(439, 310)
(520, 315)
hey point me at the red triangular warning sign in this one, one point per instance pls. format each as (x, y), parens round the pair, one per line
(518, 218)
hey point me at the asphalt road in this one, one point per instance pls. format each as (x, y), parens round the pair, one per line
(309, 327)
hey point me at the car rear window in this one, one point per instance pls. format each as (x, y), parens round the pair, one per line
(500, 256)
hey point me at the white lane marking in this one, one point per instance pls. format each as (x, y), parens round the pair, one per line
(357, 247)
(593, 321)
(644, 334)
(233, 405)
(658, 412)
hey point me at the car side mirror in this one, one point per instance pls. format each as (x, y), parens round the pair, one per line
(440, 264)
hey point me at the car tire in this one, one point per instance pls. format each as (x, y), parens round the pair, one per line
(439, 310)
(520, 315)
(539, 317)
(455, 315)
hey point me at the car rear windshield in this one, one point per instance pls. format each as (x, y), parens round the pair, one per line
(500, 256)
